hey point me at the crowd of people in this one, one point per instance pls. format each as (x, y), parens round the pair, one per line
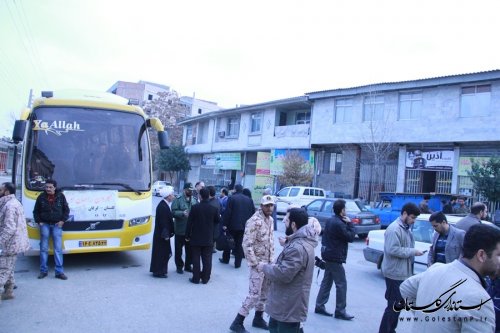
(460, 286)
(452, 294)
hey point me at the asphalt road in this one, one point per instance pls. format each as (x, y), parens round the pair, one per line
(114, 292)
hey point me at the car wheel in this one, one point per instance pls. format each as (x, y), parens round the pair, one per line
(362, 236)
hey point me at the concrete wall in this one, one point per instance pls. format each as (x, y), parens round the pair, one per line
(343, 182)
(440, 120)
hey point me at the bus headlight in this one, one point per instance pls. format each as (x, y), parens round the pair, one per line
(31, 223)
(138, 221)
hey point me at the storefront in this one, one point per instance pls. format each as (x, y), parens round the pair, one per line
(429, 170)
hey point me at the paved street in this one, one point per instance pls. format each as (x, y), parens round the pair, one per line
(114, 292)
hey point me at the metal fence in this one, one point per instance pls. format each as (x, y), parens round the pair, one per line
(370, 186)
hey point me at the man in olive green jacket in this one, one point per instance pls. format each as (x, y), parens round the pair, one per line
(180, 210)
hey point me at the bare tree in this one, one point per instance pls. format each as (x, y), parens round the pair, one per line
(296, 170)
(376, 141)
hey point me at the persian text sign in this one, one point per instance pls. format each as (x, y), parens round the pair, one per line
(228, 161)
(430, 159)
(92, 205)
(263, 179)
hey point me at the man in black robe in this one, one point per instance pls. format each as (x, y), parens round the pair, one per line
(164, 229)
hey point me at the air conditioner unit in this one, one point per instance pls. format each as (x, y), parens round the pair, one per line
(222, 134)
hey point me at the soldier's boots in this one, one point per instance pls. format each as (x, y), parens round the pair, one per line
(259, 322)
(237, 325)
(8, 292)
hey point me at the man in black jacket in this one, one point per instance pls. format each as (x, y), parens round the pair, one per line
(239, 209)
(50, 212)
(202, 220)
(338, 232)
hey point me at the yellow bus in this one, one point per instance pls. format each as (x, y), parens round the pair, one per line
(96, 146)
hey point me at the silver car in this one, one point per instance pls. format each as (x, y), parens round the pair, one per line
(363, 220)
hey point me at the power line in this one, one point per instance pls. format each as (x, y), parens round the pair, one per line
(30, 56)
(6, 76)
(33, 44)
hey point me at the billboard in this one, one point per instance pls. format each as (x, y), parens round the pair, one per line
(277, 155)
(430, 159)
(223, 161)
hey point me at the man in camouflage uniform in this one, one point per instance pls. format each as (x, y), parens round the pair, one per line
(258, 245)
(13, 237)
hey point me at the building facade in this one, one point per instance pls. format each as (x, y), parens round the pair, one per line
(414, 136)
(239, 145)
(139, 93)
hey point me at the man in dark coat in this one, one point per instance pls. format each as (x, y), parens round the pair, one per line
(164, 230)
(338, 232)
(215, 203)
(239, 209)
(50, 212)
(202, 220)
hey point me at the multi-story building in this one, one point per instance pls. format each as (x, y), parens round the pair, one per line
(239, 145)
(411, 136)
(139, 92)
(199, 106)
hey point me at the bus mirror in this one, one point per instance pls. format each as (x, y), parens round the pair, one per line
(19, 129)
(163, 139)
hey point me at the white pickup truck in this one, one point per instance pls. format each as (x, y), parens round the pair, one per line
(422, 233)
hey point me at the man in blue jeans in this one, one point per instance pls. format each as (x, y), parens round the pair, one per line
(50, 212)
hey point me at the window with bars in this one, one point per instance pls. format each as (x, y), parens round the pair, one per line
(443, 181)
(410, 105)
(332, 163)
(475, 101)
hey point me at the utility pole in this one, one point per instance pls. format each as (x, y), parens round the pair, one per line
(30, 98)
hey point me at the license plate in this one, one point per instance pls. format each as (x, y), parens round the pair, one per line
(93, 243)
(366, 221)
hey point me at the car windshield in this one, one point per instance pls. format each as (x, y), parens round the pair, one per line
(355, 207)
(422, 231)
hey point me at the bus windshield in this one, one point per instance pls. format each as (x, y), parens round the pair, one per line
(87, 148)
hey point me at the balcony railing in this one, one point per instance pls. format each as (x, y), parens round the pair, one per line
(292, 131)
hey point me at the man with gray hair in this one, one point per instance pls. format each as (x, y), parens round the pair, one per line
(478, 212)
(13, 237)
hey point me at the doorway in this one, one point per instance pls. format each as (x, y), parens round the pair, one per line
(428, 181)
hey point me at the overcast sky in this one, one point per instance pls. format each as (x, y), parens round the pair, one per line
(237, 52)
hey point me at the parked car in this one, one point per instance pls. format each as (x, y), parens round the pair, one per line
(296, 195)
(422, 233)
(363, 220)
(158, 185)
(389, 204)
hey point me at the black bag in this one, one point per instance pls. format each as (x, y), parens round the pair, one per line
(225, 242)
